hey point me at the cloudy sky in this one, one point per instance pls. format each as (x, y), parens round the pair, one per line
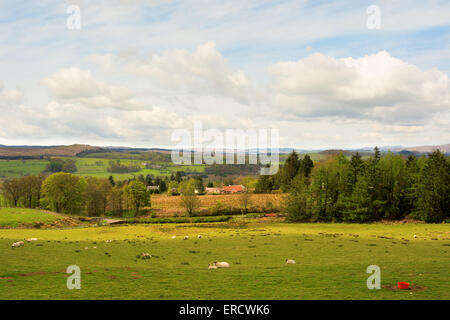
(137, 70)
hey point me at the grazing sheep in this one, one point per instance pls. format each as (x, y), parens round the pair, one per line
(289, 261)
(18, 244)
(199, 236)
(211, 267)
(221, 264)
(145, 255)
(186, 238)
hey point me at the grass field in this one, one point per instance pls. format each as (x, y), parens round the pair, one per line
(31, 218)
(19, 168)
(331, 261)
(14, 217)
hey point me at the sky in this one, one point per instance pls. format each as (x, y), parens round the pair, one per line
(326, 74)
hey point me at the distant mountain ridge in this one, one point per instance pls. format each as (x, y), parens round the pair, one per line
(12, 152)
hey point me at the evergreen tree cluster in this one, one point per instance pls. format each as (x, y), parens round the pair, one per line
(363, 190)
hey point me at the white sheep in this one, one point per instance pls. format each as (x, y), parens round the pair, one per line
(290, 261)
(173, 237)
(199, 236)
(221, 264)
(145, 255)
(18, 244)
(186, 238)
(32, 239)
(108, 241)
(211, 267)
(415, 236)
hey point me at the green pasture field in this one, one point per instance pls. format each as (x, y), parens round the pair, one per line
(19, 168)
(331, 261)
(13, 217)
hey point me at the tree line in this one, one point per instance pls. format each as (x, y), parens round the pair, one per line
(66, 193)
(117, 167)
(362, 190)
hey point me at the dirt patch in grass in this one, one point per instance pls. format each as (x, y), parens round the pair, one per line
(38, 273)
(412, 287)
(403, 221)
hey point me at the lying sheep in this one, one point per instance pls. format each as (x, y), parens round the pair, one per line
(221, 264)
(211, 267)
(18, 244)
(289, 261)
(32, 239)
(173, 237)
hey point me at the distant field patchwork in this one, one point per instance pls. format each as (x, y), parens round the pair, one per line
(95, 167)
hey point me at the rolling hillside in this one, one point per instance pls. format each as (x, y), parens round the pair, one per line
(41, 151)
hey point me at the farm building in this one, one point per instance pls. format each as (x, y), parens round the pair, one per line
(234, 189)
(213, 190)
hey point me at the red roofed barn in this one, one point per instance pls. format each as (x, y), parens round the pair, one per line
(234, 189)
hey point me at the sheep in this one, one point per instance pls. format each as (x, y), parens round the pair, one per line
(211, 267)
(108, 241)
(199, 236)
(145, 255)
(173, 237)
(415, 236)
(186, 238)
(32, 239)
(18, 244)
(221, 264)
(290, 261)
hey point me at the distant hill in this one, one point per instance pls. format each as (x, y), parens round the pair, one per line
(33, 152)
(443, 148)
(41, 151)
(127, 149)
(336, 151)
(419, 149)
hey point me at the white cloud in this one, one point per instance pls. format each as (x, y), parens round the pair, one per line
(377, 87)
(78, 87)
(10, 97)
(204, 71)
